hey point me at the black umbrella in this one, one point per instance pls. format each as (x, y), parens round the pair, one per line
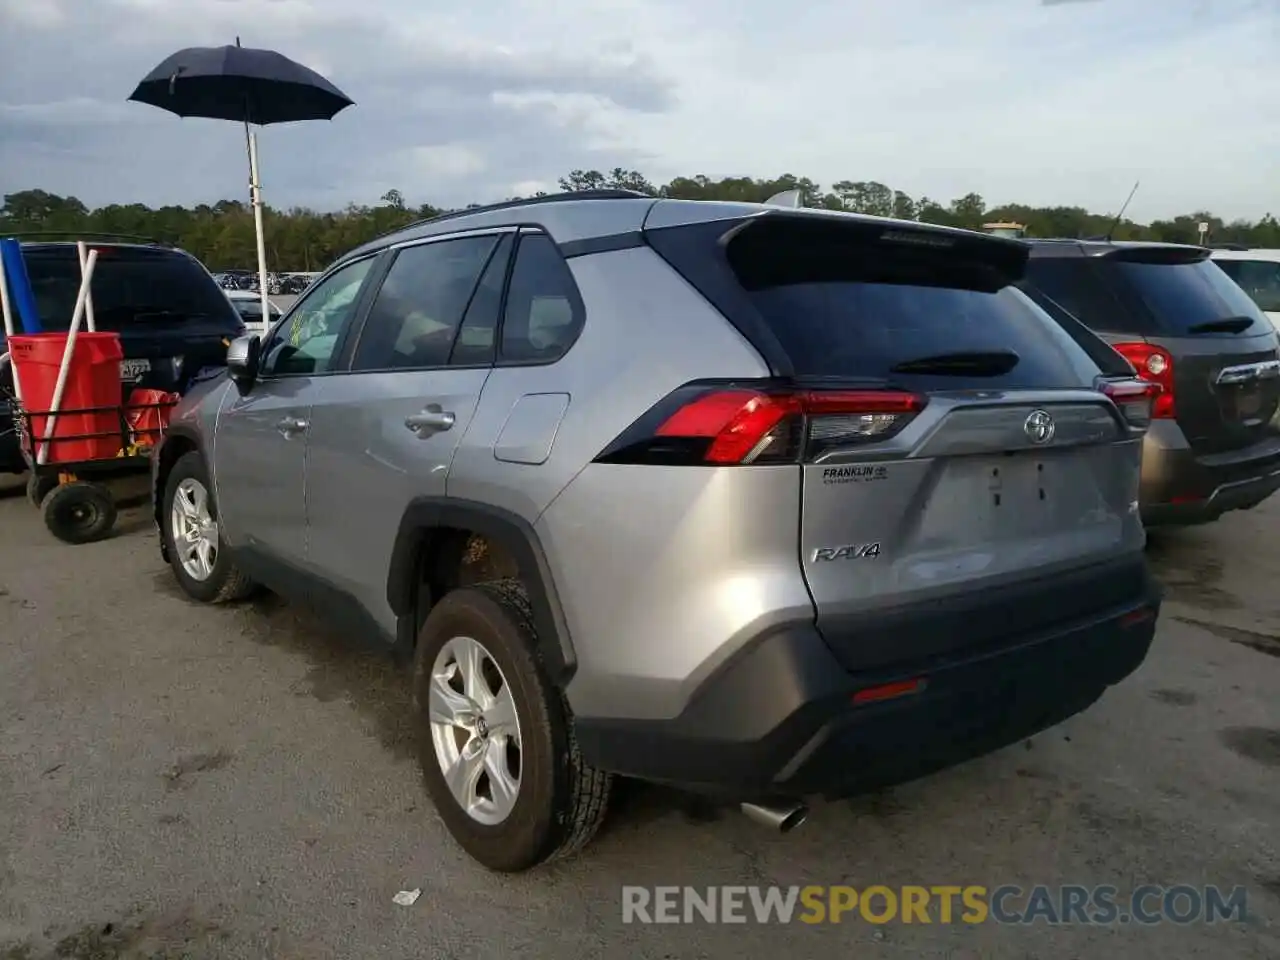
(246, 85)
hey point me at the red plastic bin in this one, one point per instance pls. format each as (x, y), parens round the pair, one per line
(92, 382)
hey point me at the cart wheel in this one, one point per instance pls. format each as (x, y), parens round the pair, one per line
(79, 512)
(39, 487)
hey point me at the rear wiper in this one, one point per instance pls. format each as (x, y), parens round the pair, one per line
(1225, 325)
(990, 363)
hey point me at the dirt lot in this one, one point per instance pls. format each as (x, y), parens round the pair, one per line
(179, 781)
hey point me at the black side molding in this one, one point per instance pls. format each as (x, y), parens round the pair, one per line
(606, 244)
(426, 515)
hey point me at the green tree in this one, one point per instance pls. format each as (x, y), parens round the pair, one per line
(221, 233)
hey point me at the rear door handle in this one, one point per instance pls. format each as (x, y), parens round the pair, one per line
(291, 425)
(431, 420)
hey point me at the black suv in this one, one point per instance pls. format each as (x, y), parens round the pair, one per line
(172, 318)
(1181, 322)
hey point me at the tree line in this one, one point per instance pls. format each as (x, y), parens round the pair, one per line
(222, 236)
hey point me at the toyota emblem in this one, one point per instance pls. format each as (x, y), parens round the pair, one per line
(1039, 427)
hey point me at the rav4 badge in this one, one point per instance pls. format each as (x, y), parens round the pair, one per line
(850, 551)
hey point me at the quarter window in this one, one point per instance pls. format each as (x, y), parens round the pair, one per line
(544, 312)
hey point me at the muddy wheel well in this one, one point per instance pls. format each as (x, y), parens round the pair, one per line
(456, 557)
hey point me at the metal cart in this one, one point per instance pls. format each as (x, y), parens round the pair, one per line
(74, 498)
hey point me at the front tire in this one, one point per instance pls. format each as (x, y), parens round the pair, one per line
(193, 537)
(496, 743)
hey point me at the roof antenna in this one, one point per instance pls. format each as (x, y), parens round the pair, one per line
(1119, 216)
(787, 198)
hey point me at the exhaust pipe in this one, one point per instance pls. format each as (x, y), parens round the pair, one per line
(784, 819)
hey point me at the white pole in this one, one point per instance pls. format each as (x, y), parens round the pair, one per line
(83, 249)
(60, 387)
(8, 327)
(255, 193)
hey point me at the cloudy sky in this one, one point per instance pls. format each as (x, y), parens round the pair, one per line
(1040, 101)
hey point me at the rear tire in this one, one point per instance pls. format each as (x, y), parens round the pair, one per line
(210, 576)
(79, 512)
(559, 802)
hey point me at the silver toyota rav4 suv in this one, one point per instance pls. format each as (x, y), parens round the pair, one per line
(763, 503)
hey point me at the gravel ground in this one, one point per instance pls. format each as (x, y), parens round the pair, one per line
(181, 781)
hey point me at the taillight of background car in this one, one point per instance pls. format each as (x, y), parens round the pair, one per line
(1154, 365)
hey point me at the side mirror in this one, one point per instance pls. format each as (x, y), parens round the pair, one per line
(243, 358)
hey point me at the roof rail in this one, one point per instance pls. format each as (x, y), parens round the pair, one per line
(605, 194)
(87, 235)
(1230, 246)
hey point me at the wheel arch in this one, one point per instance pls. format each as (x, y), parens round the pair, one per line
(427, 519)
(178, 441)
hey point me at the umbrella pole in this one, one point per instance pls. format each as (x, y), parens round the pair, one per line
(255, 197)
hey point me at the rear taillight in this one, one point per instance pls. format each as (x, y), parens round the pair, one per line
(1135, 399)
(1154, 365)
(738, 425)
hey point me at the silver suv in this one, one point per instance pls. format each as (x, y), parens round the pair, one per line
(760, 502)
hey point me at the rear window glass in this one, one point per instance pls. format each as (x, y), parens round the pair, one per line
(1075, 284)
(1183, 296)
(1260, 279)
(128, 288)
(859, 310)
(252, 309)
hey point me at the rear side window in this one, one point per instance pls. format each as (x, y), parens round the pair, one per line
(843, 305)
(1260, 279)
(417, 310)
(1183, 297)
(130, 287)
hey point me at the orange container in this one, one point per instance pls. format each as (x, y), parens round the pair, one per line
(93, 382)
(148, 414)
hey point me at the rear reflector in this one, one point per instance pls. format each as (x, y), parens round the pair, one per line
(738, 425)
(1135, 617)
(889, 691)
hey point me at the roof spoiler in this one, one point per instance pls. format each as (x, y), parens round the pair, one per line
(1006, 256)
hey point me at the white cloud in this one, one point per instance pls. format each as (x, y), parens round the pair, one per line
(448, 160)
(44, 15)
(1016, 99)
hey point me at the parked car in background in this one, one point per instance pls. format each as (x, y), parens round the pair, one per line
(761, 502)
(1187, 326)
(1257, 272)
(249, 305)
(172, 318)
(235, 280)
(293, 284)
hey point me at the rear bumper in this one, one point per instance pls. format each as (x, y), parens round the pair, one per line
(780, 720)
(1181, 487)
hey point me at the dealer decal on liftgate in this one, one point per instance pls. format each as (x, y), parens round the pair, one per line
(855, 473)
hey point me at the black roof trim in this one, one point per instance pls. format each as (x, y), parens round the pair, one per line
(513, 204)
(71, 236)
